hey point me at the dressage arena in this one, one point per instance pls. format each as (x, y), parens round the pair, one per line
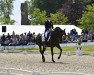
(31, 62)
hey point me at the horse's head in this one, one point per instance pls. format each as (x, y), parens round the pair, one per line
(59, 33)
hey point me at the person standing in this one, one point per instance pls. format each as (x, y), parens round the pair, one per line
(3, 39)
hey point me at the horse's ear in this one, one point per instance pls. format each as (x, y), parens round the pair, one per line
(64, 29)
(64, 32)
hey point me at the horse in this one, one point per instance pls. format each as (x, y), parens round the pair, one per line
(54, 41)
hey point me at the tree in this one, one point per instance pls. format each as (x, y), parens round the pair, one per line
(87, 20)
(6, 7)
(59, 18)
(39, 17)
(4, 20)
(84, 1)
(50, 6)
(73, 11)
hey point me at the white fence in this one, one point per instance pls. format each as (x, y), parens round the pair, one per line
(33, 46)
(74, 44)
(12, 71)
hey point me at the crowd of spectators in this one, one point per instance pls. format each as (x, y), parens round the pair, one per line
(86, 35)
(14, 39)
(29, 38)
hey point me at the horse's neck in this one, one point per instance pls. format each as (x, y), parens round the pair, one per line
(55, 35)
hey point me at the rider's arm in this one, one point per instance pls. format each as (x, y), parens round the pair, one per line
(52, 25)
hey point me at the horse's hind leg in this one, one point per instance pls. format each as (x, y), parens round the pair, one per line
(52, 54)
(58, 46)
(40, 49)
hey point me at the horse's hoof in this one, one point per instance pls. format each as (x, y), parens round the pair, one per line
(43, 60)
(53, 61)
(58, 57)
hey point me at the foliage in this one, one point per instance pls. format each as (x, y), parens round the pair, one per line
(87, 19)
(6, 7)
(59, 18)
(4, 20)
(50, 6)
(79, 41)
(84, 1)
(73, 11)
(39, 17)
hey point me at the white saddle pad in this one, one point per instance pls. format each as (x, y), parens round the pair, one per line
(43, 37)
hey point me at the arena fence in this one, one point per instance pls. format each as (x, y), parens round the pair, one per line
(12, 71)
(34, 45)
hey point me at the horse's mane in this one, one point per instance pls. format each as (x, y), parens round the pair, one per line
(57, 28)
(58, 31)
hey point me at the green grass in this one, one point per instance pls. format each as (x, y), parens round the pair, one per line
(72, 49)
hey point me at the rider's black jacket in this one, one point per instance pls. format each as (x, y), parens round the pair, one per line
(48, 25)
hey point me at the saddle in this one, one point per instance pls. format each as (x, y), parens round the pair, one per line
(46, 36)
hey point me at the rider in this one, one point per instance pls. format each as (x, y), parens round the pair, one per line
(48, 27)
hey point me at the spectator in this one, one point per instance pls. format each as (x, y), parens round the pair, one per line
(3, 39)
(33, 37)
(28, 38)
(8, 36)
(29, 35)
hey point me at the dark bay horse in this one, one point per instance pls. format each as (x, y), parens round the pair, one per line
(56, 36)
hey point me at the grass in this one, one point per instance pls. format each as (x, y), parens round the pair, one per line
(72, 49)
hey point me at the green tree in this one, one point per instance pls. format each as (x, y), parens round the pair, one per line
(6, 7)
(37, 17)
(50, 6)
(87, 20)
(4, 20)
(59, 18)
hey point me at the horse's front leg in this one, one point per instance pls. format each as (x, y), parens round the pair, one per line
(58, 46)
(41, 51)
(52, 54)
(43, 58)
